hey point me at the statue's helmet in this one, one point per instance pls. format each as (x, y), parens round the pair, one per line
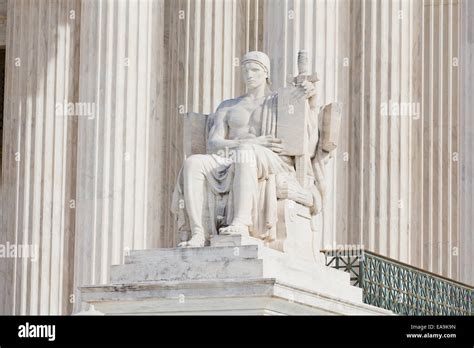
(259, 58)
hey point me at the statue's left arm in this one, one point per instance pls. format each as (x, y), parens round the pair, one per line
(313, 120)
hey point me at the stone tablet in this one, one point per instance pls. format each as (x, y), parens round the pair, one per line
(292, 120)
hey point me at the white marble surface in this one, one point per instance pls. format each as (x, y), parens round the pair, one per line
(220, 297)
(233, 276)
(395, 191)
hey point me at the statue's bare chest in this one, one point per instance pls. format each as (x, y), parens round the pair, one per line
(245, 114)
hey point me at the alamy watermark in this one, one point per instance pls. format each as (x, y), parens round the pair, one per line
(9, 250)
(406, 109)
(345, 249)
(79, 109)
(28, 330)
(238, 155)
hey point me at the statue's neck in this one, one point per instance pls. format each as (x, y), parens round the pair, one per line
(257, 92)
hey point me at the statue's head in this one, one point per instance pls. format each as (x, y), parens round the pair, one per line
(256, 69)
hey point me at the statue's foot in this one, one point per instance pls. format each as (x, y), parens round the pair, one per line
(235, 229)
(196, 241)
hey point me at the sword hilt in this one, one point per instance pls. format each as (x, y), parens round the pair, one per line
(303, 68)
(303, 62)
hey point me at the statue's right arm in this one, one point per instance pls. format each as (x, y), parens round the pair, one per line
(217, 135)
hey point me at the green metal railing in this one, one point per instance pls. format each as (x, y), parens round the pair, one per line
(401, 288)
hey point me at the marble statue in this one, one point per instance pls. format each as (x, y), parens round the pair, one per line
(263, 149)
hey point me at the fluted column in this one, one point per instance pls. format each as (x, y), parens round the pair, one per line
(3, 22)
(377, 204)
(120, 161)
(437, 178)
(466, 155)
(38, 175)
(393, 182)
(406, 202)
(403, 197)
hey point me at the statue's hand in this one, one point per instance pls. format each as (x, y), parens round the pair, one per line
(309, 90)
(247, 136)
(269, 141)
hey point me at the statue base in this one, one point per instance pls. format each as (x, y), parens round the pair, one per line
(235, 275)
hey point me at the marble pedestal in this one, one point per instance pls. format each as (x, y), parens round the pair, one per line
(235, 275)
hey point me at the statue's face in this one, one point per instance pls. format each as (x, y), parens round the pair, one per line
(254, 75)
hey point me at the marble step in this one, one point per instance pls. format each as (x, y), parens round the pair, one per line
(176, 269)
(193, 254)
(177, 256)
(316, 269)
(314, 277)
(227, 249)
(318, 278)
(234, 240)
(232, 257)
